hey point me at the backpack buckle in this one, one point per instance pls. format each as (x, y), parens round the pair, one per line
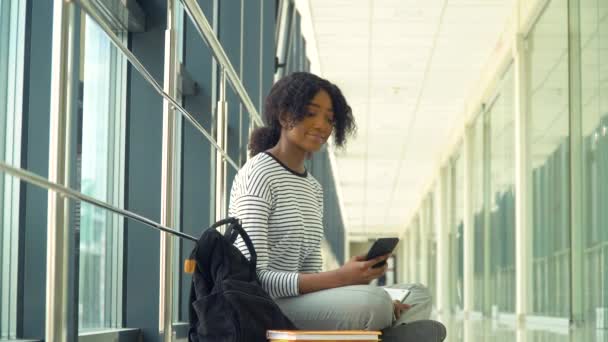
(189, 266)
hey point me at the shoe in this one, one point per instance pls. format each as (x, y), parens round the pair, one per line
(417, 331)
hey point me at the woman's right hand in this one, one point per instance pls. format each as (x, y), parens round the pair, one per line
(358, 271)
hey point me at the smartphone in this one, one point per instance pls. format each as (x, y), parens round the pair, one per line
(381, 247)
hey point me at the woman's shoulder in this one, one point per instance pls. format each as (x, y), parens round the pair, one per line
(254, 178)
(257, 165)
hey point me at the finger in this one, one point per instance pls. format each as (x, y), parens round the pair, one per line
(376, 260)
(359, 258)
(403, 306)
(372, 273)
(377, 272)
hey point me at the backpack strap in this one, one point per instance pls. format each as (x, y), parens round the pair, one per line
(235, 229)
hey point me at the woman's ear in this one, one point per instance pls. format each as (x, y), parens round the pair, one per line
(284, 120)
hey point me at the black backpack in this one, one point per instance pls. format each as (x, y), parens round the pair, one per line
(227, 302)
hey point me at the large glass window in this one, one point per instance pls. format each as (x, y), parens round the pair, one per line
(594, 59)
(431, 241)
(177, 171)
(502, 196)
(100, 159)
(456, 230)
(477, 187)
(549, 113)
(12, 17)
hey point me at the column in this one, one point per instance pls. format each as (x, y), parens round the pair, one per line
(58, 225)
(167, 178)
(468, 229)
(443, 286)
(523, 182)
(577, 245)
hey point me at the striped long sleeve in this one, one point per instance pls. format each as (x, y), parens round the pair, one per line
(282, 212)
(254, 213)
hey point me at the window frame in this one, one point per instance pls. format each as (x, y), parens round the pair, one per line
(12, 27)
(114, 235)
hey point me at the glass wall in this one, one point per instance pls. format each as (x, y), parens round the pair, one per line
(477, 188)
(594, 120)
(549, 133)
(456, 230)
(117, 155)
(502, 196)
(12, 17)
(100, 159)
(546, 103)
(431, 240)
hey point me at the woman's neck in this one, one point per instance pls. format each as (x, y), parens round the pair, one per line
(290, 155)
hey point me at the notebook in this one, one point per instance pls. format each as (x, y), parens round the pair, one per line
(322, 335)
(397, 294)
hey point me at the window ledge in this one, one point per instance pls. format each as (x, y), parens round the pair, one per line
(125, 334)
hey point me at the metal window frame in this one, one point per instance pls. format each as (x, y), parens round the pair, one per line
(207, 33)
(118, 335)
(89, 10)
(9, 188)
(115, 188)
(59, 248)
(122, 15)
(169, 143)
(70, 6)
(576, 162)
(283, 36)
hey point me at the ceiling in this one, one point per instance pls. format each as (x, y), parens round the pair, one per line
(406, 68)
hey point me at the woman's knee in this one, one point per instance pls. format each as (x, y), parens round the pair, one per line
(421, 293)
(375, 309)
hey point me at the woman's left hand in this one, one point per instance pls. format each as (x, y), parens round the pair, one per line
(398, 307)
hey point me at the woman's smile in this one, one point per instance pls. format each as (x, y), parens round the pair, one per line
(317, 138)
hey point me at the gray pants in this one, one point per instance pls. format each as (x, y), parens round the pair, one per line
(355, 307)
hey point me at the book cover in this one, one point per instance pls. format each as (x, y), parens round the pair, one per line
(324, 335)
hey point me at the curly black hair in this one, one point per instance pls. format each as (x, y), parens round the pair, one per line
(290, 95)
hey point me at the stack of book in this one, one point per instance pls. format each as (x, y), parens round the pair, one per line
(326, 335)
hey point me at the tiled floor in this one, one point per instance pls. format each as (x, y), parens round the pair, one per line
(505, 330)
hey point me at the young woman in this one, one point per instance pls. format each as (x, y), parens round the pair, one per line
(281, 207)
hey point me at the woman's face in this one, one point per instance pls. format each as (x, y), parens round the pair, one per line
(316, 127)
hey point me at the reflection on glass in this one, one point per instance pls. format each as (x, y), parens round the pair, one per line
(548, 95)
(12, 17)
(431, 241)
(177, 174)
(456, 231)
(594, 59)
(502, 197)
(100, 159)
(477, 187)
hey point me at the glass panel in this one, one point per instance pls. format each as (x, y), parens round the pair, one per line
(478, 212)
(432, 243)
(177, 172)
(456, 231)
(12, 17)
(502, 198)
(414, 250)
(594, 59)
(100, 158)
(548, 95)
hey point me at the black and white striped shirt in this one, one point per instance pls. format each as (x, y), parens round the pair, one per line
(282, 213)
